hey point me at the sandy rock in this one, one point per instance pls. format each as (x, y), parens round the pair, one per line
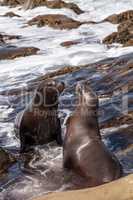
(121, 189)
(55, 21)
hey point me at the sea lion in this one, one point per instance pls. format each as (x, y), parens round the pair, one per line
(84, 153)
(39, 123)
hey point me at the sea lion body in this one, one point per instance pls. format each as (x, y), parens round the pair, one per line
(84, 151)
(39, 123)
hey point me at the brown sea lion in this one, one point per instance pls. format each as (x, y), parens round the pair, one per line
(84, 152)
(39, 123)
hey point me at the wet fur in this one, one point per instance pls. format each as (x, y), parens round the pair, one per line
(84, 152)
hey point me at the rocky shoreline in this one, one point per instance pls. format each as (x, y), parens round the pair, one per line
(114, 190)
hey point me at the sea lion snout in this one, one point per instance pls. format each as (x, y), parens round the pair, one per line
(86, 94)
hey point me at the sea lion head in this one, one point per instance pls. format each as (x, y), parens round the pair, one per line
(47, 93)
(86, 94)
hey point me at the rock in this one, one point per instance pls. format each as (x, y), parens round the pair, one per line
(70, 43)
(112, 38)
(6, 160)
(56, 4)
(124, 34)
(124, 16)
(11, 2)
(55, 21)
(11, 14)
(14, 52)
(129, 43)
(126, 25)
(113, 19)
(1, 39)
(121, 189)
(4, 37)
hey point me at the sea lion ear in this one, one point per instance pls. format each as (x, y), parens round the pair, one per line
(61, 86)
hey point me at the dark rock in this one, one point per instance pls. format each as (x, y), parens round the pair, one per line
(55, 4)
(55, 21)
(124, 16)
(14, 52)
(6, 160)
(11, 14)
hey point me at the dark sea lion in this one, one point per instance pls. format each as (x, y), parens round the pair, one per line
(84, 152)
(39, 123)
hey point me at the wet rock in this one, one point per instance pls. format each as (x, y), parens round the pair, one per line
(126, 25)
(124, 34)
(118, 121)
(123, 37)
(118, 18)
(55, 21)
(55, 4)
(129, 43)
(14, 52)
(11, 14)
(4, 37)
(11, 2)
(112, 38)
(70, 43)
(1, 39)
(6, 160)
